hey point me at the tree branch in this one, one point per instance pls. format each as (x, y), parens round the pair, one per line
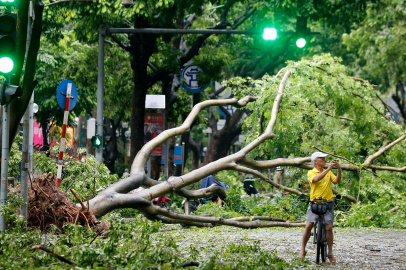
(218, 92)
(143, 154)
(193, 194)
(218, 220)
(363, 168)
(55, 255)
(383, 149)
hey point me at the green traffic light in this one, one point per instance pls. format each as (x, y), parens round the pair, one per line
(301, 42)
(97, 142)
(6, 64)
(269, 34)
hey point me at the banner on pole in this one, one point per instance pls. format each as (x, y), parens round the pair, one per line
(177, 156)
(153, 126)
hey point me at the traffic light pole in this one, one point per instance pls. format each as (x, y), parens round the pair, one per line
(100, 92)
(26, 154)
(4, 162)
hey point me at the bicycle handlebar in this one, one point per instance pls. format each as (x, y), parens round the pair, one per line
(303, 199)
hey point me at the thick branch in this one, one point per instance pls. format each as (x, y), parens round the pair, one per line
(383, 149)
(363, 168)
(176, 183)
(258, 218)
(194, 50)
(193, 194)
(109, 201)
(55, 255)
(218, 220)
(218, 92)
(143, 154)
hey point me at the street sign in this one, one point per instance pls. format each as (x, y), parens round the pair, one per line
(177, 156)
(189, 74)
(230, 108)
(61, 94)
(155, 102)
(153, 126)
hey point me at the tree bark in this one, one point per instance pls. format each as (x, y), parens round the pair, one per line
(142, 47)
(221, 140)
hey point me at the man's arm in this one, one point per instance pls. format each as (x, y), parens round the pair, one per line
(321, 175)
(338, 178)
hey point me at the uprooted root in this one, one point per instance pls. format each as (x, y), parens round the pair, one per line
(48, 204)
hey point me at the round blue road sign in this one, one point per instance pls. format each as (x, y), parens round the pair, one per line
(61, 94)
(190, 74)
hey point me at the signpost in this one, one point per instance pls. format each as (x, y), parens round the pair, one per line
(177, 156)
(189, 74)
(153, 126)
(67, 97)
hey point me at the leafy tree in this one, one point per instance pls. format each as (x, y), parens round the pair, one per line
(315, 104)
(52, 66)
(377, 42)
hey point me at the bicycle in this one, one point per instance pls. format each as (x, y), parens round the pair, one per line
(319, 207)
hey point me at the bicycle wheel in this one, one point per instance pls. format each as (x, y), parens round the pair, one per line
(324, 243)
(320, 242)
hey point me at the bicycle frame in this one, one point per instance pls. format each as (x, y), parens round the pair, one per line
(319, 227)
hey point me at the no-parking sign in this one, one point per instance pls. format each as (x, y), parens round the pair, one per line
(61, 94)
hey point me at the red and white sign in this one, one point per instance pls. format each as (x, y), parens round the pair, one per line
(153, 126)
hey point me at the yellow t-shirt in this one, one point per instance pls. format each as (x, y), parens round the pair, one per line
(321, 188)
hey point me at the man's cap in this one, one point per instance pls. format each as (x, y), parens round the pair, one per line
(279, 168)
(316, 155)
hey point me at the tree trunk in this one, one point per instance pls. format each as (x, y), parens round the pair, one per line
(112, 153)
(155, 167)
(196, 153)
(142, 47)
(221, 139)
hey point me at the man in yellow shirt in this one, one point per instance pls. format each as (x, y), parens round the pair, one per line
(320, 185)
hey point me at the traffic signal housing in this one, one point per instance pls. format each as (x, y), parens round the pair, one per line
(301, 31)
(107, 140)
(8, 31)
(9, 92)
(96, 141)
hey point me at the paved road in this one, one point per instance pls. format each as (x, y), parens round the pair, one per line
(353, 248)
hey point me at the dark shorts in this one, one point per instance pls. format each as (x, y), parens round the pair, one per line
(328, 216)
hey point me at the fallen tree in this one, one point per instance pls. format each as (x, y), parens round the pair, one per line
(115, 196)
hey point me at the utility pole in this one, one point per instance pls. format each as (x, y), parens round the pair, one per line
(26, 160)
(100, 92)
(4, 162)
